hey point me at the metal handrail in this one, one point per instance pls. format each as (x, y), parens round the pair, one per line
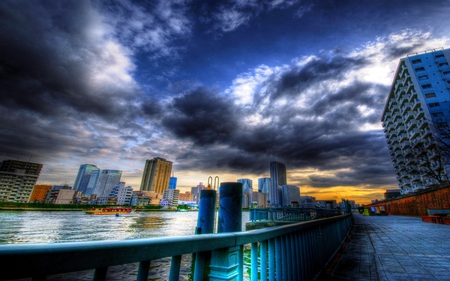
(40, 260)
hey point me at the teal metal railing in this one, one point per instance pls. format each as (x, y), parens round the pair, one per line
(291, 214)
(298, 251)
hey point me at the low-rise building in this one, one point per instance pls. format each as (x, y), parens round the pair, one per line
(39, 193)
(60, 196)
(171, 196)
(259, 200)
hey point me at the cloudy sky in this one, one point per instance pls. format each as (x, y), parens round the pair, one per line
(221, 88)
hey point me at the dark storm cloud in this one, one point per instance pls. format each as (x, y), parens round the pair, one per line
(203, 116)
(48, 62)
(298, 79)
(110, 81)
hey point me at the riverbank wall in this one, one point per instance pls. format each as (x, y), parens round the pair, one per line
(413, 205)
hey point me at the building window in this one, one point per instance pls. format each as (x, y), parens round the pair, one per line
(417, 61)
(430, 95)
(446, 72)
(438, 114)
(439, 56)
(423, 77)
(426, 86)
(434, 104)
(420, 69)
(443, 64)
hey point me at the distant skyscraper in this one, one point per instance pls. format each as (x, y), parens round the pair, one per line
(196, 191)
(264, 185)
(278, 178)
(87, 177)
(173, 183)
(247, 191)
(17, 180)
(107, 180)
(291, 195)
(156, 175)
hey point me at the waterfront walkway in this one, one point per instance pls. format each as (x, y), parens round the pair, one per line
(394, 248)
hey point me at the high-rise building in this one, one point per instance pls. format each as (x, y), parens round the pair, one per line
(107, 180)
(416, 114)
(173, 183)
(247, 190)
(278, 178)
(86, 179)
(17, 180)
(291, 195)
(156, 175)
(264, 185)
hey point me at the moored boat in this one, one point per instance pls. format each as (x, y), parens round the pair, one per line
(109, 211)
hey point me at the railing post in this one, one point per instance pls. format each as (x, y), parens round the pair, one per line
(100, 273)
(263, 258)
(143, 269)
(227, 263)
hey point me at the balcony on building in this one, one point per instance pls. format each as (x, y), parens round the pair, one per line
(411, 123)
(413, 133)
(419, 114)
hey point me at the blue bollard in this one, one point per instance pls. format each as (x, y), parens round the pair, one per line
(228, 263)
(206, 212)
(230, 207)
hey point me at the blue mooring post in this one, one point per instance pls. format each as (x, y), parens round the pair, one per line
(230, 207)
(228, 263)
(205, 224)
(206, 212)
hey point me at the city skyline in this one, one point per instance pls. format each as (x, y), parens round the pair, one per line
(220, 88)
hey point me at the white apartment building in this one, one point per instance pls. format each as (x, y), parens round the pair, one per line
(171, 196)
(124, 194)
(415, 115)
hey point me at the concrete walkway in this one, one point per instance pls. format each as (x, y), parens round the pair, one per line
(395, 248)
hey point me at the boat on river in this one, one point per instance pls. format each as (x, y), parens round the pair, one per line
(115, 211)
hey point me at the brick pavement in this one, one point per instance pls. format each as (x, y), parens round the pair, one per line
(395, 248)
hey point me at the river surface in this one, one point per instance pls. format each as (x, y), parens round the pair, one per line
(25, 227)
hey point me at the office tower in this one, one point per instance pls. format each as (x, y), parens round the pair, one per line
(156, 175)
(107, 180)
(278, 178)
(264, 185)
(247, 190)
(291, 195)
(17, 180)
(86, 179)
(415, 120)
(173, 183)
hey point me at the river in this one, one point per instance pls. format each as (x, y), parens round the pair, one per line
(25, 227)
(30, 227)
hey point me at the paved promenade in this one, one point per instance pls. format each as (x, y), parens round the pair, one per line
(395, 248)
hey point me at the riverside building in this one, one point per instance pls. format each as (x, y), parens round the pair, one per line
(156, 175)
(17, 180)
(86, 179)
(416, 119)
